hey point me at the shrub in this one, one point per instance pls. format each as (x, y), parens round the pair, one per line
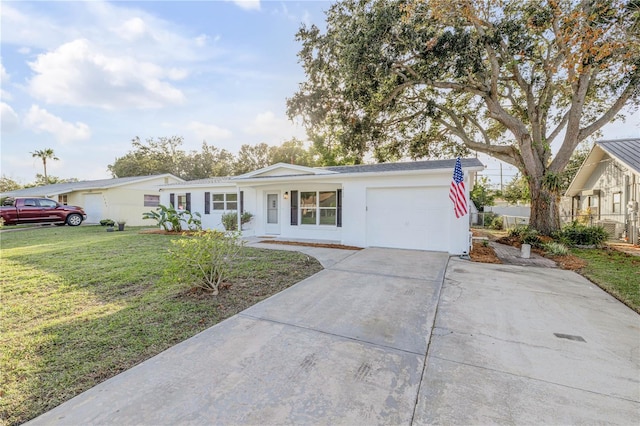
(518, 231)
(497, 223)
(577, 234)
(107, 222)
(230, 220)
(488, 218)
(170, 219)
(555, 249)
(204, 259)
(531, 237)
(526, 235)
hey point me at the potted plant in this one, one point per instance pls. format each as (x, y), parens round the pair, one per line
(108, 223)
(121, 224)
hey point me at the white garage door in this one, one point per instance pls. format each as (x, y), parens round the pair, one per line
(411, 218)
(93, 205)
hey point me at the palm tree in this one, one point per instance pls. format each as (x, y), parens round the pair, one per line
(45, 154)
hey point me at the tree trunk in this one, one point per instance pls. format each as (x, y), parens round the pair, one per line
(545, 209)
(44, 164)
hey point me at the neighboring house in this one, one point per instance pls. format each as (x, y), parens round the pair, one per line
(606, 189)
(117, 199)
(398, 205)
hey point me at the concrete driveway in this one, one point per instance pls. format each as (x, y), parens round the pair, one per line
(349, 346)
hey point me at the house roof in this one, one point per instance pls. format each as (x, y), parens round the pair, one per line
(624, 151)
(405, 166)
(627, 151)
(67, 187)
(291, 171)
(200, 182)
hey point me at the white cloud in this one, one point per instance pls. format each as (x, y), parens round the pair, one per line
(208, 132)
(274, 129)
(78, 73)
(24, 50)
(40, 120)
(132, 29)
(4, 80)
(9, 118)
(247, 4)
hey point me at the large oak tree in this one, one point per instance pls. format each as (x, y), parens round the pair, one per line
(429, 78)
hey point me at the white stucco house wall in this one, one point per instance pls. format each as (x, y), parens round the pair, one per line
(397, 205)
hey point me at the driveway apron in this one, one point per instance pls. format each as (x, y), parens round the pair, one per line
(345, 346)
(528, 345)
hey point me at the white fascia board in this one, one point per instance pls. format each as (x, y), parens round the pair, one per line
(586, 168)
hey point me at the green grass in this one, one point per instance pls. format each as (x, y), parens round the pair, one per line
(79, 305)
(616, 272)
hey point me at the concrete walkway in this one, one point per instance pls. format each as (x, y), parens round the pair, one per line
(382, 337)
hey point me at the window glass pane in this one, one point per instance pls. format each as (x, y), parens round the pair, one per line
(218, 206)
(307, 199)
(182, 202)
(232, 197)
(308, 217)
(328, 217)
(232, 206)
(327, 199)
(218, 197)
(47, 203)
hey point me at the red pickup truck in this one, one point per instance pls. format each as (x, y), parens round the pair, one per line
(15, 211)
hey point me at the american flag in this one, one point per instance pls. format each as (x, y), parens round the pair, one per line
(457, 192)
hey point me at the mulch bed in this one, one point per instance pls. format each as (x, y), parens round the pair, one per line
(300, 243)
(483, 254)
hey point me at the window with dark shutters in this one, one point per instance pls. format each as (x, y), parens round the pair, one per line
(241, 202)
(188, 203)
(172, 200)
(294, 208)
(207, 202)
(339, 208)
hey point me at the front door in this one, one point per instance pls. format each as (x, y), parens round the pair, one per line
(273, 214)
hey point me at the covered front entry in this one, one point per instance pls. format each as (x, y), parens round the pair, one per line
(410, 218)
(272, 215)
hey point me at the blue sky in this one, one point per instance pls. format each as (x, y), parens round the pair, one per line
(84, 78)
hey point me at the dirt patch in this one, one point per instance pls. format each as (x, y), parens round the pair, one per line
(569, 262)
(483, 254)
(300, 243)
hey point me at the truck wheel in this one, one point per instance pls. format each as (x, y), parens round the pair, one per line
(74, 220)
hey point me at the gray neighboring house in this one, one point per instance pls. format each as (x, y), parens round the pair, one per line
(120, 199)
(606, 189)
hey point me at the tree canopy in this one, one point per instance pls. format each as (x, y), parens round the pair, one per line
(437, 78)
(165, 155)
(44, 155)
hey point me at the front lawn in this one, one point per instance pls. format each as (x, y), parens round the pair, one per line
(80, 305)
(616, 272)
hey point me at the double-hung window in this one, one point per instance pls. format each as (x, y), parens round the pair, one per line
(182, 202)
(225, 201)
(318, 208)
(617, 202)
